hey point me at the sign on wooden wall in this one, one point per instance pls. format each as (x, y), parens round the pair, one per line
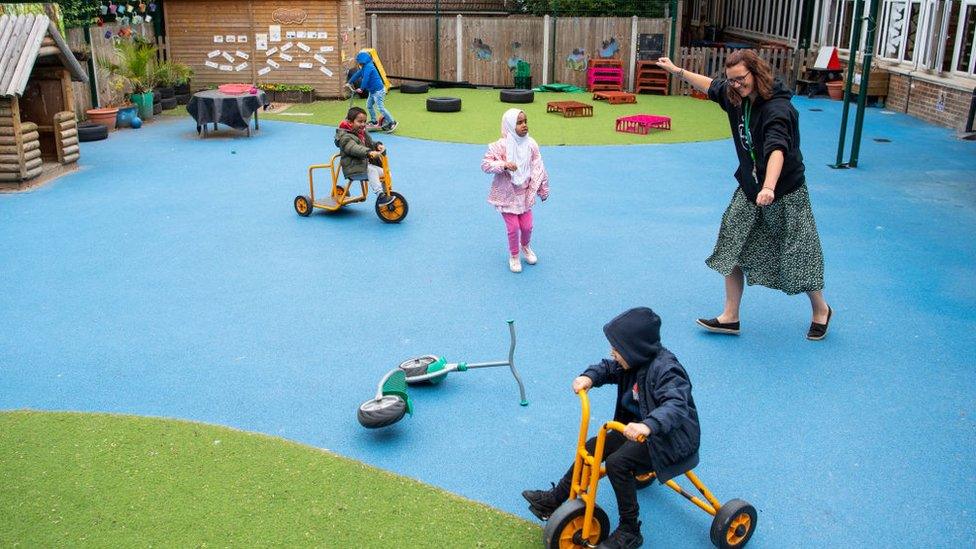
(260, 41)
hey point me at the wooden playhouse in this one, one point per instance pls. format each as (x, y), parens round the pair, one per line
(293, 42)
(37, 120)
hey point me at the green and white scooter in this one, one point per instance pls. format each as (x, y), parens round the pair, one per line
(392, 402)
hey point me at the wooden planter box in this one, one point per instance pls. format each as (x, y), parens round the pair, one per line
(877, 85)
(292, 96)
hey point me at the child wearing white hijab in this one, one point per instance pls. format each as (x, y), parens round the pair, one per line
(519, 176)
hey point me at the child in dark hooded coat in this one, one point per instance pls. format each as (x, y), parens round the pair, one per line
(653, 401)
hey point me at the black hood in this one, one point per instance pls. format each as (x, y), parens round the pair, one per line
(636, 335)
(780, 91)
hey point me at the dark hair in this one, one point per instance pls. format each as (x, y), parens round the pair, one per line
(760, 70)
(353, 113)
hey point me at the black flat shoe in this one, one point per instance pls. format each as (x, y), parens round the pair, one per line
(819, 331)
(713, 325)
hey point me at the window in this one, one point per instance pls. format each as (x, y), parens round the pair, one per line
(963, 56)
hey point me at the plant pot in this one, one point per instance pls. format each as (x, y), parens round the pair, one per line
(835, 89)
(106, 117)
(182, 89)
(144, 101)
(165, 92)
(124, 117)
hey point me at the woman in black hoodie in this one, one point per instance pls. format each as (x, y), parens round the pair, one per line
(768, 235)
(653, 401)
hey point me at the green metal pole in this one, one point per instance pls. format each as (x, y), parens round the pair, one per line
(851, 61)
(437, 40)
(862, 95)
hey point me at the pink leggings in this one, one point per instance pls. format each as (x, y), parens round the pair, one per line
(513, 224)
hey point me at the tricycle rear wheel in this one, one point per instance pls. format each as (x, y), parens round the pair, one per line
(644, 480)
(734, 524)
(303, 205)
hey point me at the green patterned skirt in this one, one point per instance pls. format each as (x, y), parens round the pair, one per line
(776, 246)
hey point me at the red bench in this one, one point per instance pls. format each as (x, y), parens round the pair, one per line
(642, 123)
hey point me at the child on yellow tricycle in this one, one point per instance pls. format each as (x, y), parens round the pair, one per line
(362, 161)
(655, 433)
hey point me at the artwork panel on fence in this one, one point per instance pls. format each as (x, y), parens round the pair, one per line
(254, 28)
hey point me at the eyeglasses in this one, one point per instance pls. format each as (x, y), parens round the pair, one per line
(738, 81)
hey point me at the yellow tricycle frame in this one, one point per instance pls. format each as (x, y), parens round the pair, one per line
(730, 531)
(340, 196)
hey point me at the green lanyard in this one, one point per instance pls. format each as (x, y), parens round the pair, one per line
(747, 112)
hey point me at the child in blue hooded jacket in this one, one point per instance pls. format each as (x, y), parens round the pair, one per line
(653, 401)
(369, 79)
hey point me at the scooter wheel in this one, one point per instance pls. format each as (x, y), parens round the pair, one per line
(417, 366)
(388, 410)
(395, 211)
(644, 480)
(734, 524)
(565, 526)
(303, 205)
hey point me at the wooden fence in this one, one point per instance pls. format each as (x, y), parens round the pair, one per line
(711, 62)
(482, 50)
(102, 49)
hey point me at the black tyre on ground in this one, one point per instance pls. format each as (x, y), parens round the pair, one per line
(168, 103)
(303, 205)
(414, 87)
(565, 526)
(388, 410)
(516, 96)
(395, 211)
(443, 104)
(733, 525)
(92, 132)
(157, 108)
(182, 99)
(165, 92)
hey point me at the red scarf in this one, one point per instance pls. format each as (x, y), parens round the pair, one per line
(347, 125)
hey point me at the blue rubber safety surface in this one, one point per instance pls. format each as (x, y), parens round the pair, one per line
(170, 276)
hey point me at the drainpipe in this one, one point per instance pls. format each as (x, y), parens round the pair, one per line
(673, 12)
(972, 113)
(92, 77)
(437, 40)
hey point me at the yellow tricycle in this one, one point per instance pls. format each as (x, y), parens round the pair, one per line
(392, 212)
(580, 522)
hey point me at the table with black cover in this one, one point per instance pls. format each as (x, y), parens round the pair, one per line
(234, 110)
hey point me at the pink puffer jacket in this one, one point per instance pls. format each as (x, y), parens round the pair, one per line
(506, 197)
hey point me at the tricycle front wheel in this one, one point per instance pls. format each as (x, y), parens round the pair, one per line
(734, 524)
(395, 211)
(564, 529)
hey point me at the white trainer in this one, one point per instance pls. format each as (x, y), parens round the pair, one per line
(514, 264)
(530, 256)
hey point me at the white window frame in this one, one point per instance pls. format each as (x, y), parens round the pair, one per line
(960, 27)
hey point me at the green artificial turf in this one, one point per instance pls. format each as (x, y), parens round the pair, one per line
(70, 479)
(481, 111)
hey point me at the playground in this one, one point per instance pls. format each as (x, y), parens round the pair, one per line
(187, 288)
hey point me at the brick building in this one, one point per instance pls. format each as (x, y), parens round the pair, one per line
(927, 46)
